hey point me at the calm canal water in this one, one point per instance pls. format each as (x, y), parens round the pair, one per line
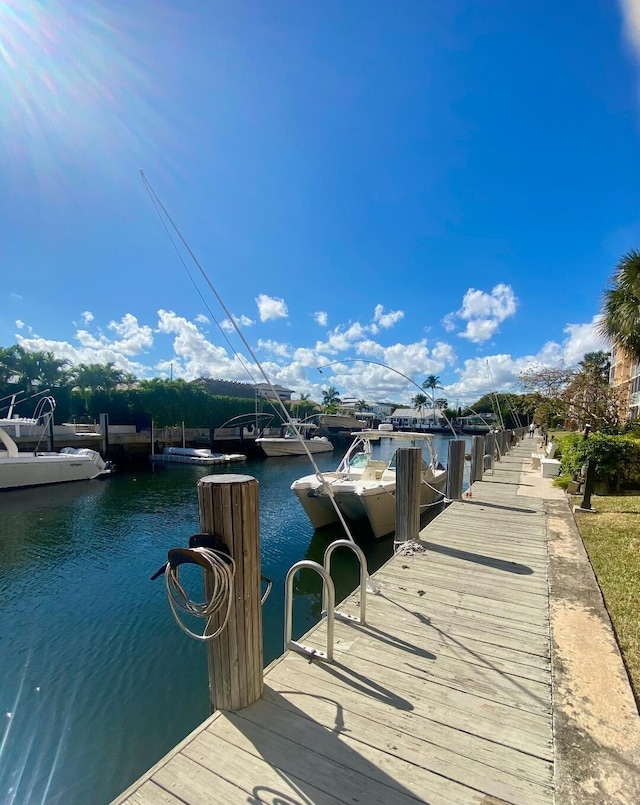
(97, 681)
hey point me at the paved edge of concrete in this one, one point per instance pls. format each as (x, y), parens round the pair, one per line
(596, 721)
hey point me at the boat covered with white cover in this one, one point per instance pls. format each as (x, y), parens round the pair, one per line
(293, 443)
(194, 455)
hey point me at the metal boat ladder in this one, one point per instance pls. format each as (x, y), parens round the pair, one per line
(328, 599)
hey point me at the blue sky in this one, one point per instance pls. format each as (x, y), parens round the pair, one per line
(439, 187)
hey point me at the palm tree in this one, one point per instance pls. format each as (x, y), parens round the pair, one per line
(330, 397)
(432, 382)
(362, 405)
(8, 363)
(34, 369)
(620, 322)
(97, 376)
(419, 402)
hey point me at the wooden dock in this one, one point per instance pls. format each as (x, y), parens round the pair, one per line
(444, 696)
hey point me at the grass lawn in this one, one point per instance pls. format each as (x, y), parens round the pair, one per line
(612, 539)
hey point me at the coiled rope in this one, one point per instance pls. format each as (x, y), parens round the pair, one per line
(222, 569)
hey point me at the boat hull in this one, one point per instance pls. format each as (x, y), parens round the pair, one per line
(39, 470)
(360, 500)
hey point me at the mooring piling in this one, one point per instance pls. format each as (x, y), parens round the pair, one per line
(229, 510)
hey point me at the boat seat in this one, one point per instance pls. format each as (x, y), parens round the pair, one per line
(373, 471)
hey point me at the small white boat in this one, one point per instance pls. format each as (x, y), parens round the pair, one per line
(291, 445)
(193, 455)
(364, 487)
(22, 469)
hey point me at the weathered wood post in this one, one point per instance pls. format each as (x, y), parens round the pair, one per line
(506, 445)
(455, 469)
(229, 510)
(104, 430)
(477, 458)
(490, 449)
(408, 465)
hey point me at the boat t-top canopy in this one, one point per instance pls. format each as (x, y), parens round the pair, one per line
(407, 435)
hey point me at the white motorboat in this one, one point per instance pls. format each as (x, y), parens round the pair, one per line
(21, 469)
(363, 486)
(290, 443)
(194, 455)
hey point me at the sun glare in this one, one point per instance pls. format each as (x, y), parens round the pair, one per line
(72, 85)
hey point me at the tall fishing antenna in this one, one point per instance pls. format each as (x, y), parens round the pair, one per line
(160, 206)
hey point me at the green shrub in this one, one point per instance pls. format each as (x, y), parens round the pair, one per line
(562, 481)
(616, 458)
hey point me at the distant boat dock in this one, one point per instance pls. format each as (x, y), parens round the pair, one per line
(445, 695)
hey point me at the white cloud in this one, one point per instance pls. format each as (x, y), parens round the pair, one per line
(444, 353)
(386, 320)
(499, 304)
(275, 347)
(321, 317)
(271, 308)
(15, 296)
(201, 319)
(86, 316)
(134, 338)
(474, 380)
(19, 324)
(196, 356)
(449, 322)
(241, 321)
(483, 312)
(102, 353)
(479, 330)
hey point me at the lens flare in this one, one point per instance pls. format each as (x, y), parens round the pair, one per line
(77, 86)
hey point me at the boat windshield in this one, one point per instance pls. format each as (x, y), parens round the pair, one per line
(359, 461)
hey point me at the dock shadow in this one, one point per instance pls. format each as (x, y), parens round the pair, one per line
(305, 747)
(500, 506)
(391, 640)
(480, 559)
(478, 658)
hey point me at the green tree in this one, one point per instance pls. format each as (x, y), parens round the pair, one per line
(97, 376)
(419, 402)
(597, 364)
(8, 364)
(39, 369)
(620, 322)
(432, 382)
(331, 398)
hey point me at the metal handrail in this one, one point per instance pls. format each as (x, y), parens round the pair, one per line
(344, 616)
(328, 589)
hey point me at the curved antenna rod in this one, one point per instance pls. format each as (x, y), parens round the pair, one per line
(384, 366)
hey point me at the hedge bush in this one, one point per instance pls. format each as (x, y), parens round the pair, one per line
(616, 458)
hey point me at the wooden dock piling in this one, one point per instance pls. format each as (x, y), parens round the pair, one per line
(229, 510)
(455, 469)
(408, 462)
(477, 458)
